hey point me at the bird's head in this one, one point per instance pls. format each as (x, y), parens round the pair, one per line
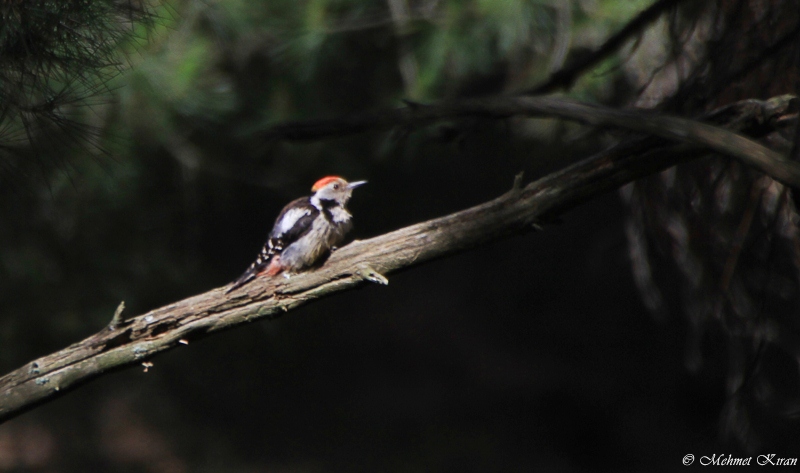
(334, 188)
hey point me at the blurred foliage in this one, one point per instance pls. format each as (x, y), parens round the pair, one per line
(57, 59)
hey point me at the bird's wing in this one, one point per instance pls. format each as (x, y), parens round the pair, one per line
(293, 222)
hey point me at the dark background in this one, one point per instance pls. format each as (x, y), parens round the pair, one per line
(531, 353)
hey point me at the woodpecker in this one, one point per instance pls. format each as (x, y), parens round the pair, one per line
(307, 229)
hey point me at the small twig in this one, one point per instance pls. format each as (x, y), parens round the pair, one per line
(117, 319)
(414, 105)
(756, 193)
(517, 185)
(369, 274)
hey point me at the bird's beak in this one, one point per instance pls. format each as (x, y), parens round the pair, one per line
(353, 185)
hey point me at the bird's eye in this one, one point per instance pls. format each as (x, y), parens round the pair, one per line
(335, 186)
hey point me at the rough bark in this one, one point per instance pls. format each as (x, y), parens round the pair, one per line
(128, 342)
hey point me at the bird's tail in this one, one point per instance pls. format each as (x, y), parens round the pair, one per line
(245, 278)
(260, 264)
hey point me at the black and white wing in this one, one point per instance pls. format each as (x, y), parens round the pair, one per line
(293, 222)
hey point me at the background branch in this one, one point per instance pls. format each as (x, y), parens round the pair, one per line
(133, 341)
(674, 128)
(564, 78)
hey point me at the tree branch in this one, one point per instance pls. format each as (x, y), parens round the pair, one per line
(674, 128)
(564, 78)
(129, 342)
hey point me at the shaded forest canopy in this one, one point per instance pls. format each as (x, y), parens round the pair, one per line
(145, 148)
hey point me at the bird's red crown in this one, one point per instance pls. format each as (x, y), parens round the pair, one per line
(324, 182)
